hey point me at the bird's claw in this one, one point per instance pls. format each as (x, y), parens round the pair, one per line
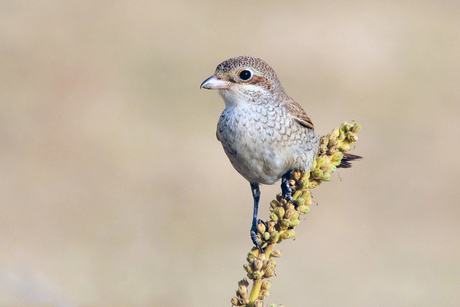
(287, 194)
(285, 188)
(255, 240)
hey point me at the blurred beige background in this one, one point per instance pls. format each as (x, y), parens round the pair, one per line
(115, 192)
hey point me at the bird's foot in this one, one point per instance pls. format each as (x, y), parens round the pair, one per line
(254, 238)
(287, 195)
(285, 188)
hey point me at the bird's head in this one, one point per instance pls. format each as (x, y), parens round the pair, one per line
(245, 79)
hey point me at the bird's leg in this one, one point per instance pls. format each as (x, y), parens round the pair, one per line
(256, 196)
(285, 188)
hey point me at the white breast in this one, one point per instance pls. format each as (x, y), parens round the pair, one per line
(263, 142)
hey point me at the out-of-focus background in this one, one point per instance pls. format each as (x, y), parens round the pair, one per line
(115, 192)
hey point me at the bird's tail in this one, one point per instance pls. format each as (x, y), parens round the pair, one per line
(347, 159)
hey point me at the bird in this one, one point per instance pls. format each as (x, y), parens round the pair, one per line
(265, 133)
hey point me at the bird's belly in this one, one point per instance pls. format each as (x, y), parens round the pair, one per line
(264, 155)
(263, 148)
(259, 162)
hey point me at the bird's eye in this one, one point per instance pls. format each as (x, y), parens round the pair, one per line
(245, 75)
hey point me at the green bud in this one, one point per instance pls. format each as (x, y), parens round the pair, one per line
(356, 128)
(352, 137)
(319, 161)
(294, 223)
(346, 126)
(284, 224)
(295, 216)
(248, 268)
(274, 217)
(296, 194)
(323, 148)
(303, 209)
(331, 151)
(317, 173)
(341, 137)
(266, 236)
(252, 255)
(313, 184)
(274, 203)
(327, 168)
(300, 202)
(335, 133)
(345, 146)
(261, 228)
(288, 234)
(289, 212)
(274, 236)
(326, 177)
(279, 212)
(306, 194)
(304, 182)
(337, 156)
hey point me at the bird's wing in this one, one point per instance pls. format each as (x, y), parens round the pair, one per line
(296, 112)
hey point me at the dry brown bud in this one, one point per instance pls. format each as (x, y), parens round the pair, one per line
(235, 302)
(266, 284)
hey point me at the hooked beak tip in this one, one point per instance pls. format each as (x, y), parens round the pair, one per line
(214, 83)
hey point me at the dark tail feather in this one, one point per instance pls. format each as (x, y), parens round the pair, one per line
(347, 159)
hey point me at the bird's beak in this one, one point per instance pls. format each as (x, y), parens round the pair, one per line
(214, 83)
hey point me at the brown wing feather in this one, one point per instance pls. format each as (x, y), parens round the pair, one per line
(347, 159)
(296, 111)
